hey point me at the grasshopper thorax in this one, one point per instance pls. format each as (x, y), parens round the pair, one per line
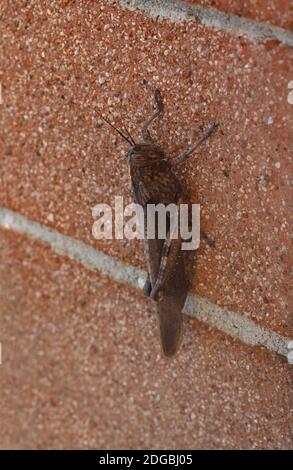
(145, 154)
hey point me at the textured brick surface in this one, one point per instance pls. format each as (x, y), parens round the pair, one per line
(276, 12)
(62, 63)
(82, 368)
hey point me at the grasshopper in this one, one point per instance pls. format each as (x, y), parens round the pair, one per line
(153, 181)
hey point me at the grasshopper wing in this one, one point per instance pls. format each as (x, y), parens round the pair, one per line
(172, 300)
(170, 308)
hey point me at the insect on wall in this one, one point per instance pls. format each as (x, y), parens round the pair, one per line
(153, 182)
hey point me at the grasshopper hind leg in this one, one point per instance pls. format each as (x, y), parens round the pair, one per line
(147, 288)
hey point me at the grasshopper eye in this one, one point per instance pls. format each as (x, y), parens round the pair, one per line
(128, 154)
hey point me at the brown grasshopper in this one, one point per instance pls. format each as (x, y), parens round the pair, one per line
(152, 182)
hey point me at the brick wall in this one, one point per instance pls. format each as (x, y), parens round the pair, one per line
(276, 12)
(81, 361)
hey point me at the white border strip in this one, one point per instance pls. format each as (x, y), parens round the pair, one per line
(229, 322)
(178, 11)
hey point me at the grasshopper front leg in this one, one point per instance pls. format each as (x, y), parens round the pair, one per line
(159, 110)
(188, 153)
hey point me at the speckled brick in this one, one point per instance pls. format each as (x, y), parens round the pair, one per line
(63, 63)
(82, 368)
(276, 12)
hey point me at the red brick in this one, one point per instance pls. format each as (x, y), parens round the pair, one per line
(82, 368)
(58, 160)
(276, 12)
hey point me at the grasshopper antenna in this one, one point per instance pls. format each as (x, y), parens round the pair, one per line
(129, 135)
(128, 139)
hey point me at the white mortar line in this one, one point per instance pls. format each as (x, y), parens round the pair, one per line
(233, 324)
(178, 11)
